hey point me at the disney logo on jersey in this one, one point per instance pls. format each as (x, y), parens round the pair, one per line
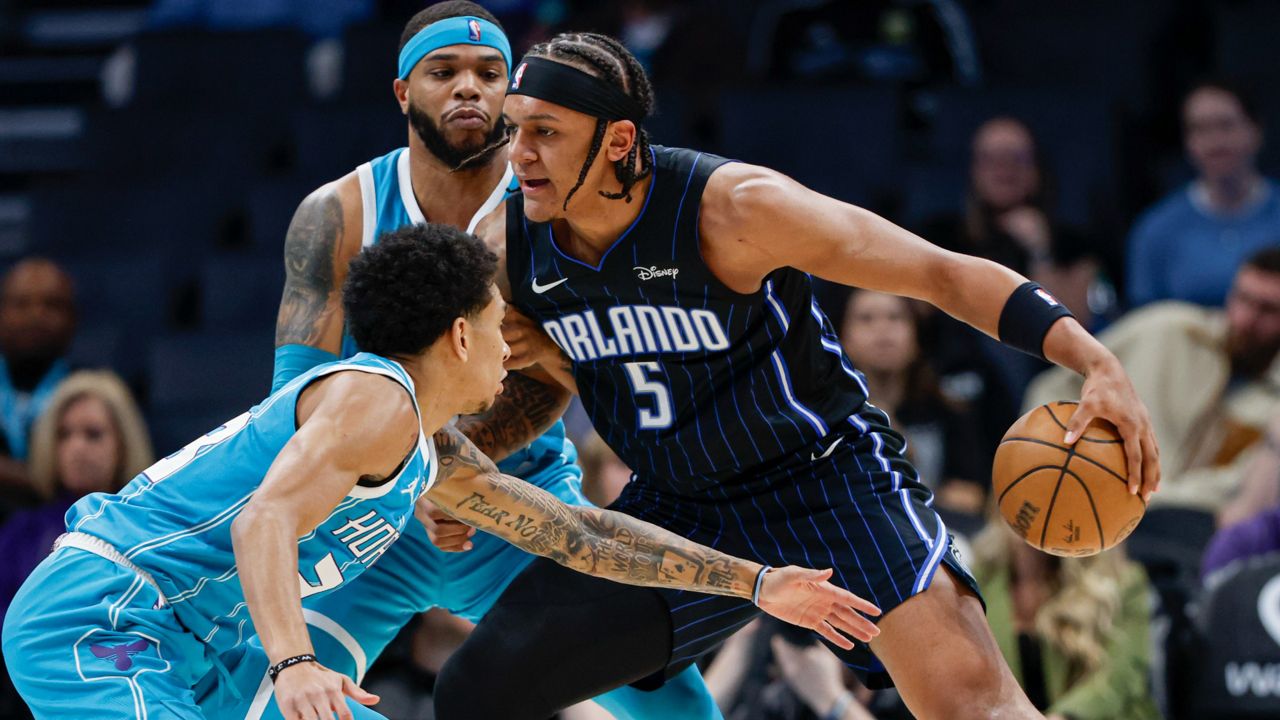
(636, 330)
(654, 271)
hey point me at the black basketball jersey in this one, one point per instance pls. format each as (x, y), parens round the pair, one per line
(692, 384)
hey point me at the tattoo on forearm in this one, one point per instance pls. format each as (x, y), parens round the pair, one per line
(598, 542)
(309, 248)
(525, 409)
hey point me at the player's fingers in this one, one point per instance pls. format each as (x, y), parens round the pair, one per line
(357, 693)
(843, 597)
(1151, 467)
(1080, 419)
(338, 707)
(1133, 458)
(825, 630)
(851, 623)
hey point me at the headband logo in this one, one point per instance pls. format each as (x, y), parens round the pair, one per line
(515, 81)
(473, 28)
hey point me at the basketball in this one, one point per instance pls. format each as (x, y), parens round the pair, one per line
(1067, 500)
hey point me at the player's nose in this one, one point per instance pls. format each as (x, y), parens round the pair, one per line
(467, 86)
(506, 351)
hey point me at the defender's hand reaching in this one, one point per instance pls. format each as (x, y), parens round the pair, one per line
(803, 597)
(445, 533)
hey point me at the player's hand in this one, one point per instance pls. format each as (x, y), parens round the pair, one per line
(1108, 394)
(443, 530)
(529, 344)
(803, 597)
(310, 691)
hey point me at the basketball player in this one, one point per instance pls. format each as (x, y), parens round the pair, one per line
(301, 493)
(679, 285)
(452, 77)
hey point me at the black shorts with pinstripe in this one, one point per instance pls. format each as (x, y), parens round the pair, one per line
(851, 503)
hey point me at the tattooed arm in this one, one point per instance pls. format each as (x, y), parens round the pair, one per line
(323, 236)
(619, 547)
(525, 409)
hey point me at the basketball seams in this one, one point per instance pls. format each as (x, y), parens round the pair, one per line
(1102, 538)
(1024, 476)
(1048, 513)
(1071, 453)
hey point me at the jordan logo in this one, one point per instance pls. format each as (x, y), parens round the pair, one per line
(123, 654)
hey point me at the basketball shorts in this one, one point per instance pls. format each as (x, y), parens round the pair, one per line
(85, 637)
(851, 502)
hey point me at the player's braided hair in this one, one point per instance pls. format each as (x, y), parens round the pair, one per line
(606, 58)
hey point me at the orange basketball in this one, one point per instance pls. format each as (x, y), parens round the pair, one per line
(1068, 500)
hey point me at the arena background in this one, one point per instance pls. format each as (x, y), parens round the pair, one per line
(157, 151)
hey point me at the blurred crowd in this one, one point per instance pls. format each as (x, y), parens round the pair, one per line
(1163, 236)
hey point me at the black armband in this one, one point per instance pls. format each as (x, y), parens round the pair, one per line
(1027, 316)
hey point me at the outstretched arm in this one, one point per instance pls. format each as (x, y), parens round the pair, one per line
(621, 548)
(747, 209)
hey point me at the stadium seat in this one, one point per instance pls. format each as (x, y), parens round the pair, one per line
(1237, 669)
(332, 141)
(212, 372)
(270, 205)
(240, 292)
(369, 65)
(1170, 541)
(1073, 44)
(930, 190)
(777, 126)
(255, 70)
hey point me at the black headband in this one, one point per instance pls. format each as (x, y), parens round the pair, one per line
(572, 88)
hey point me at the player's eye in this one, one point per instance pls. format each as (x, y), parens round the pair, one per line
(441, 74)
(546, 132)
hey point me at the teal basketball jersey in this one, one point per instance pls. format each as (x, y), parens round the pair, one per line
(174, 519)
(387, 197)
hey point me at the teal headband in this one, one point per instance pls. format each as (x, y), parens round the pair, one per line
(453, 31)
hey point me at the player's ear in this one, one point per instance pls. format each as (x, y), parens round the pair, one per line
(401, 90)
(622, 135)
(458, 340)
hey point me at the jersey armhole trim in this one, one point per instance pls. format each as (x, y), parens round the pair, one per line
(369, 203)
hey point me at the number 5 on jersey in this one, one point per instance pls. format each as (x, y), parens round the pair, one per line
(661, 416)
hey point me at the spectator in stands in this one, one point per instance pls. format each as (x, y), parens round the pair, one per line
(772, 671)
(1210, 379)
(1007, 219)
(1190, 244)
(1075, 631)
(90, 438)
(1246, 532)
(881, 334)
(37, 322)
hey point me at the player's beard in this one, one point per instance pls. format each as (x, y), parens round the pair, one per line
(465, 157)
